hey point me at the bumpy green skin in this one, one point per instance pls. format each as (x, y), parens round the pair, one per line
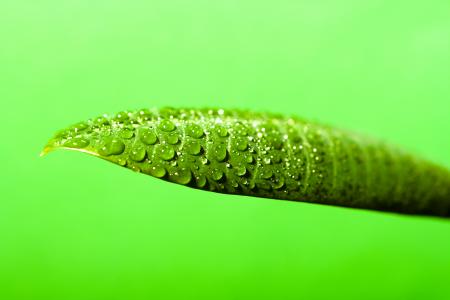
(263, 155)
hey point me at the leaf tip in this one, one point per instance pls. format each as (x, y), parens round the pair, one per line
(46, 150)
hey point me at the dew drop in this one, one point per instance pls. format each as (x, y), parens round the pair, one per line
(267, 160)
(126, 133)
(112, 146)
(172, 138)
(194, 131)
(200, 181)
(221, 131)
(241, 170)
(241, 129)
(77, 142)
(122, 161)
(157, 171)
(102, 120)
(204, 160)
(147, 136)
(193, 147)
(62, 133)
(79, 126)
(278, 183)
(121, 117)
(241, 144)
(182, 176)
(165, 152)
(216, 174)
(251, 185)
(135, 168)
(266, 174)
(166, 125)
(137, 153)
(145, 114)
(219, 152)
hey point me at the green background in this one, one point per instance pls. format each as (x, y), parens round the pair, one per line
(76, 227)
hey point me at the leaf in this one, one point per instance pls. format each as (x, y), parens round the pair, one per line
(263, 155)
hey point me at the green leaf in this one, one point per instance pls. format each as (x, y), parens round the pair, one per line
(263, 155)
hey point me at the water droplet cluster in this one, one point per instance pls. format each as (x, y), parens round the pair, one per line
(258, 154)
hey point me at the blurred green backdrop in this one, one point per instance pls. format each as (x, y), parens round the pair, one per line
(75, 227)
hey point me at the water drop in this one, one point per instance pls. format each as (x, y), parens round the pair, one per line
(266, 173)
(137, 153)
(147, 136)
(77, 142)
(121, 117)
(166, 125)
(241, 144)
(135, 168)
(216, 174)
(165, 152)
(194, 131)
(278, 183)
(221, 131)
(241, 129)
(219, 152)
(251, 185)
(241, 170)
(145, 114)
(276, 158)
(200, 181)
(126, 133)
(79, 126)
(122, 161)
(172, 138)
(102, 120)
(62, 133)
(157, 171)
(182, 176)
(111, 146)
(267, 160)
(193, 147)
